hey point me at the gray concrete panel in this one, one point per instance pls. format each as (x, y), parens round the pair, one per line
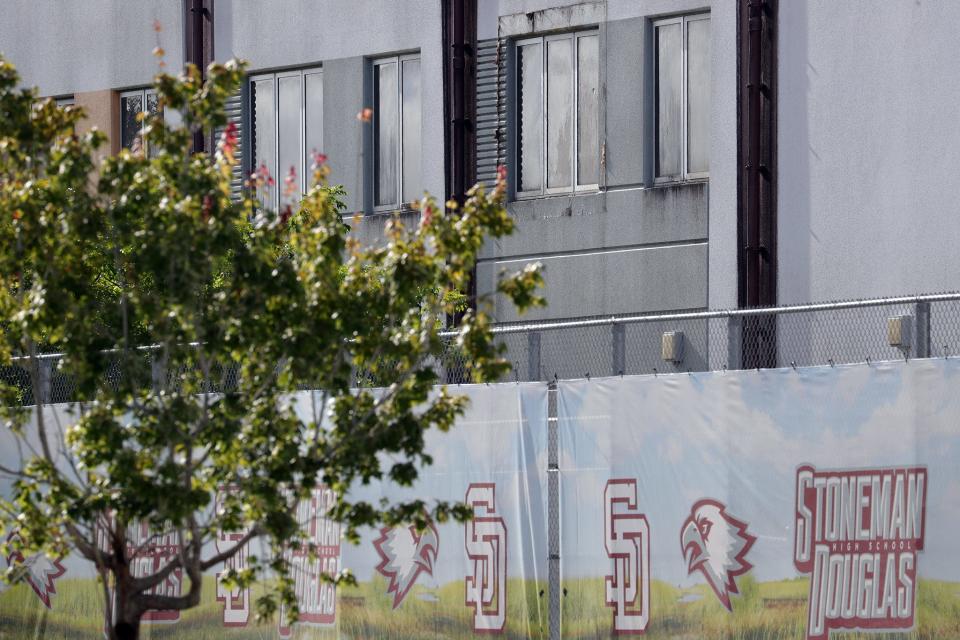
(67, 47)
(280, 33)
(620, 9)
(550, 16)
(626, 281)
(619, 218)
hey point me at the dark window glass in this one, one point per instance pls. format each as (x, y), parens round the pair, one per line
(131, 128)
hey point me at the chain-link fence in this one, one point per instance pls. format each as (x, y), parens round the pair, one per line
(801, 335)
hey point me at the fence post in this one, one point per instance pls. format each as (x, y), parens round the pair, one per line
(554, 589)
(158, 372)
(619, 349)
(734, 342)
(46, 375)
(533, 355)
(922, 339)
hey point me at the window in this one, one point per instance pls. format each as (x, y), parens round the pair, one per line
(65, 101)
(557, 113)
(396, 131)
(682, 51)
(132, 104)
(287, 122)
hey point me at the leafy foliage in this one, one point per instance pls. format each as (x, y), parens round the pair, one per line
(187, 320)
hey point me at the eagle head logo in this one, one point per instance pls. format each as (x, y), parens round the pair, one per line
(716, 544)
(404, 555)
(38, 571)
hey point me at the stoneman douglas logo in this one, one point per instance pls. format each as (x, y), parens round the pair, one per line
(404, 554)
(716, 544)
(858, 533)
(627, 541)
(316, 597)
(38, 571)
(485, 541)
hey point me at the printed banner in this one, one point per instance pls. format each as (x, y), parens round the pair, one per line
(452, 580)
(810, 503)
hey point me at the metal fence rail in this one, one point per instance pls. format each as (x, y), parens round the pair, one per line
(799, 335)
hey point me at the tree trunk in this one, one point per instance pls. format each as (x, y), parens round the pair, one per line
(126, 610)
(128, 629)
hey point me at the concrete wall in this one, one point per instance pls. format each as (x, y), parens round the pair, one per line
(68, 47)
(633, 247)
(869, 149)
(342, 35)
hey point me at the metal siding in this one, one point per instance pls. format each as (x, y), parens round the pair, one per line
(491, 109)
(234, 111)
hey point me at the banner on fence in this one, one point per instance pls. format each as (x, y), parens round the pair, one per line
(451, 580)
(782, 503)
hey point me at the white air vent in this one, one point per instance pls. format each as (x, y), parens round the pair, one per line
(671, 346)
(900, 332)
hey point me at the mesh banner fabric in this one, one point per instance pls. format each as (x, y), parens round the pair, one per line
(450, 581)
(772, 504)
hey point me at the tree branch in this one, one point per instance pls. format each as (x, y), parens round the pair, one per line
(148, 582)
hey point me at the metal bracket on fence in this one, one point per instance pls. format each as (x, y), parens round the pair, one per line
(533, 355)
(618, 343)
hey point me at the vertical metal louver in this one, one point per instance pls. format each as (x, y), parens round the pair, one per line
(491, 123)
(234, 112)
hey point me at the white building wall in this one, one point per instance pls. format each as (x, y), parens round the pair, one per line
(75, 46)
(869, 149)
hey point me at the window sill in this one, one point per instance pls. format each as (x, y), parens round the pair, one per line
(657, 184)
(403, 209)
(549, 196)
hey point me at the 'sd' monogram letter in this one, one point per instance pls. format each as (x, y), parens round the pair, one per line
(627, 541)
(485, 539)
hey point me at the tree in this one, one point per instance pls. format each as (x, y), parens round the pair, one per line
(187, 320)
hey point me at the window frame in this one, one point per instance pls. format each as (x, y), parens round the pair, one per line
(275, 172)
(141, 93)
(684, 175)
(399, 59)
(543, 40)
